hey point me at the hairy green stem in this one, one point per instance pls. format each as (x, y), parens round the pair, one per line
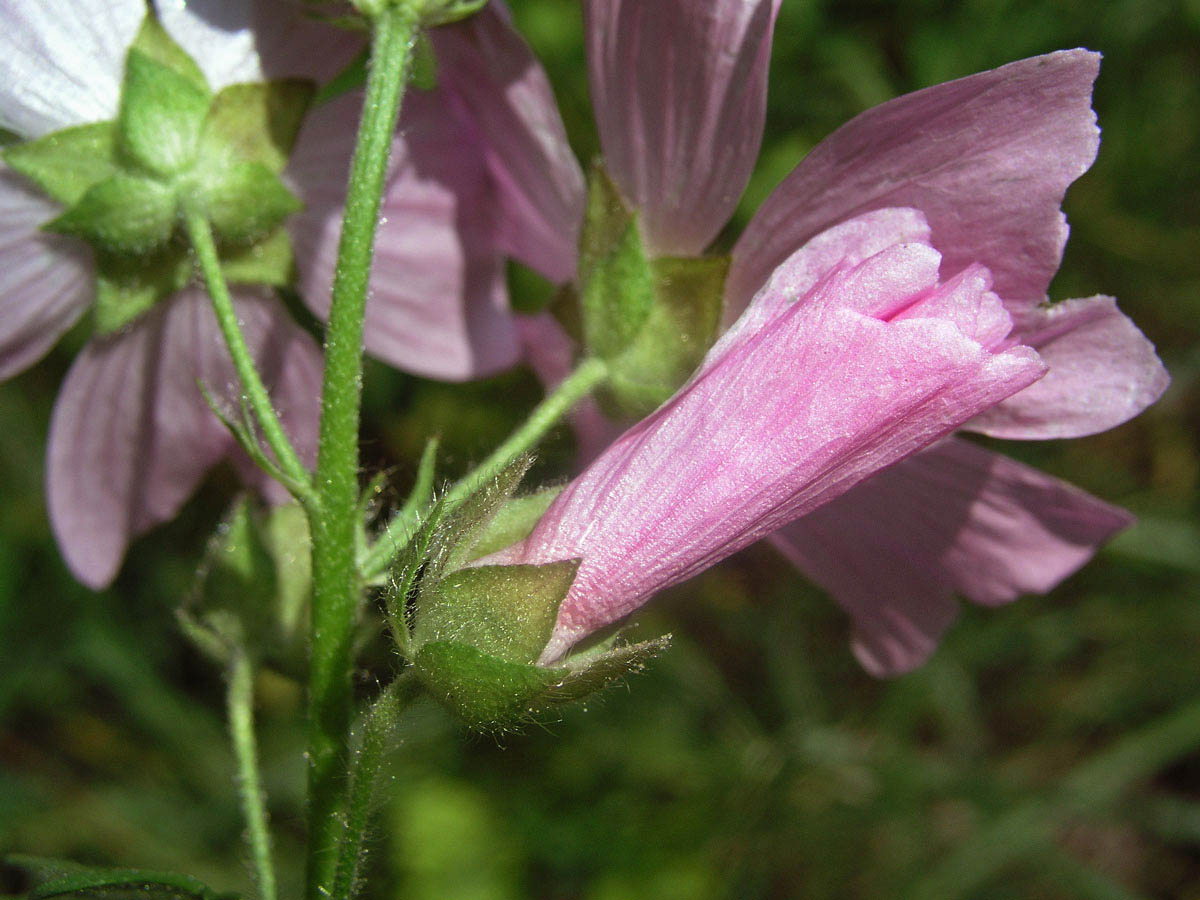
(241, 727)
(379, 724)
(207, 259)
(589, 375)
(336, 586)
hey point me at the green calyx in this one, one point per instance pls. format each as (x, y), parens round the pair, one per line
(489, 693)
(474, 633)
(175, 147)
(651, 319)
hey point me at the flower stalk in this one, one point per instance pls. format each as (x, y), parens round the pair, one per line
(336, 584)
(588, 376)
(298, 478)
(240, 701)
(378, 727)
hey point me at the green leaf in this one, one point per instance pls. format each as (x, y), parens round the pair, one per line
(124, 214)
(255, 123)
(617, 283)
(680, 328)
(513, 521)
(244, 201)
(66, 163)
(128, 286)
(505, 611)
(161, 115)
(60, 878)
(268, 261)
(153, 41)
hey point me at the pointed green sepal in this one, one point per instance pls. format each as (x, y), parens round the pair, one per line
(125, 214)
(513, 521)
(488, 693)
(651, 320)
(424, 66)
(504, 611)
(680, 328)
(155, 42)
(243, 201)
(65, 164)
(161, 115)
(350, 78)
(443, 12)
(485, 692)
(127, 286)
(268, 261)
(255, 123)
(617, 283)
(461, 531)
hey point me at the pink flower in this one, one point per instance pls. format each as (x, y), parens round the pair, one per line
(131, 435)
(986, 161)
(480, 171)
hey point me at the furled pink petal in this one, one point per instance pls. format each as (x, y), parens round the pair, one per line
(954, 519)
(679, 88)
(45, 280)
(1103, 372)
(131, 435)
(986, 158)
(489, 69)
(438, 302)
(834, 387)
(61, 61)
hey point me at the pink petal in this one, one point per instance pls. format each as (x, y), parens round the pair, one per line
(131, 435)
(251, 40)
(680, 89)
(61, 61)
(774, 425)
(847, 244)
(490, 70)
(45, 280)
(953, 519)
(438, 301)
(986, 158)
(1103, 372)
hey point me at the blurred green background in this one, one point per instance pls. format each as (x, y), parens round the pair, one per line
(1051, 749)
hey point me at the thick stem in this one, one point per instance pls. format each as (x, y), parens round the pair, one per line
(200, 234)
(241, 728)
(336, 587)
(590, 374)
(377, 729)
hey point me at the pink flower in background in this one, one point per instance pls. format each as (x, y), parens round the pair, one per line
(480, 171)
(131, 435)
(986, 161)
